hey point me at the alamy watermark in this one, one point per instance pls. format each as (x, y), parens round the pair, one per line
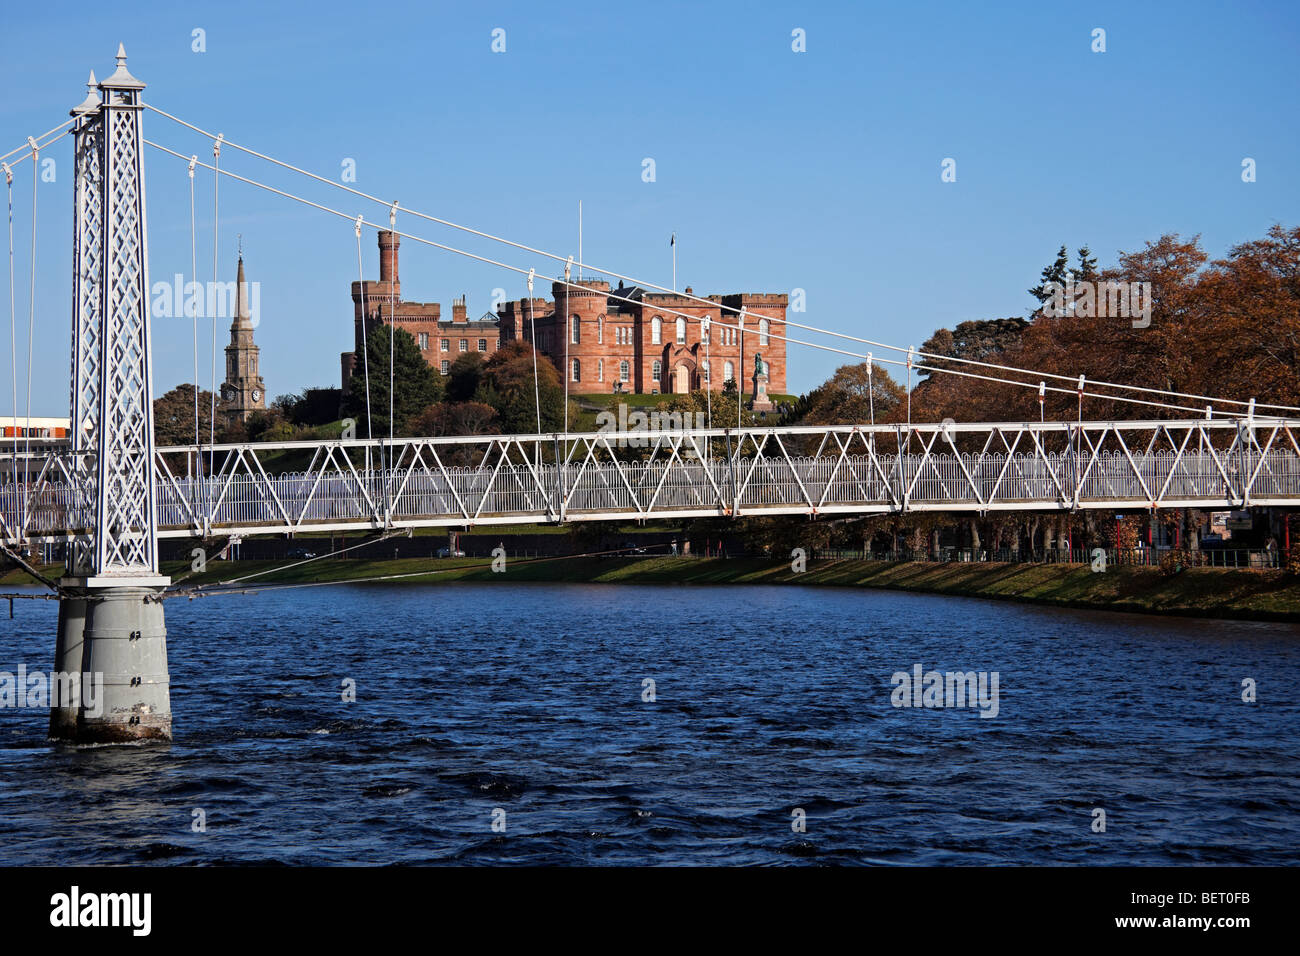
(39, 689)
(639, 429)
(1101, 300)
(937, 689)
(178, 299)
(74, 908)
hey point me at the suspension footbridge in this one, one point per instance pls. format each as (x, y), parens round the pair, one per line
(201, 491)
(111, 493)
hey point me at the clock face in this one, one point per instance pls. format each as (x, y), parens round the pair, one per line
(256, 395)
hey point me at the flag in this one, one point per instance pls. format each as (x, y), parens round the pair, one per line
(673, 240)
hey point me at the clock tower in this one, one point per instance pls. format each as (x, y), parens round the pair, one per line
(243, 391)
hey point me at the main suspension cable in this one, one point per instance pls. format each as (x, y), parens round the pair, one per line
(703, 301)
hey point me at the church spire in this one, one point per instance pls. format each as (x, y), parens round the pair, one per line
(243, 317)
(243, 389)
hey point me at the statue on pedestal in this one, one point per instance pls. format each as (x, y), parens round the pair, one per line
(761, 403)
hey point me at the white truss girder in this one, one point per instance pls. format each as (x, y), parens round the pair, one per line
(511, 479)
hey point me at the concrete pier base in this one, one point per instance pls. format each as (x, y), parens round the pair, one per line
(126, 695)
(68, 655)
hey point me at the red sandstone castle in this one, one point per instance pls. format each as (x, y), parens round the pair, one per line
(606, 340)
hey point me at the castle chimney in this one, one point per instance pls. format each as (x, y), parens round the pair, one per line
(388, 243)
(458, 313)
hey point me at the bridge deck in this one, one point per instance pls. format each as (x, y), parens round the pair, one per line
(340, 486)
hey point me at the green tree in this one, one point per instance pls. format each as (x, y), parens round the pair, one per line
(1055, 273)
(173, 416)
(1087, 266)
(270, 425)
(416, 385)
(507, 385)
(464, 376)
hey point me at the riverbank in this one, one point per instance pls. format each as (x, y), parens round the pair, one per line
(1199, 592)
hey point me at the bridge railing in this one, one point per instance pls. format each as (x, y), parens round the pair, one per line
(797, 470)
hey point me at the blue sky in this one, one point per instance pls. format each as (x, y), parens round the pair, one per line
(777, 170)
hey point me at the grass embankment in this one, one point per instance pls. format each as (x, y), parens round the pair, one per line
(1202, 592)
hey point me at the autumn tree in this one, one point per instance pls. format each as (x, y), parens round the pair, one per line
(456, 418)
(938, 396)
(1251, 306)
(849, 396)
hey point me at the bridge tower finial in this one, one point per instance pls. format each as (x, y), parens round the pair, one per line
(91, 102)
(121, 78)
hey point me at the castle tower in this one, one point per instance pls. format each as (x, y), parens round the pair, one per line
(578, 342)
(243, 390)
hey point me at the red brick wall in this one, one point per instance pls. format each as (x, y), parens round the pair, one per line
(592, 302)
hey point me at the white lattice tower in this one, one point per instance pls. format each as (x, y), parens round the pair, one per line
(113, 390)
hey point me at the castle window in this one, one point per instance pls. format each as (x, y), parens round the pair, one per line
(482, 345)
(445, 367)
(762, 332)
(681, 331)
(656, 331)
(600, 330)
(424, 341)
(444, 346)
(623, 371)
(728, 372)
(705, 368)
(575, 332)
(464, 345)
(577, 370)
(657, 370)
(600, 370)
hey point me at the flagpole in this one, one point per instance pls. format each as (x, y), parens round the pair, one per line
(579, 240)
(673, 242)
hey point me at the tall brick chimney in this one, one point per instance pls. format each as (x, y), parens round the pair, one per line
(388, 243)
(458, 313)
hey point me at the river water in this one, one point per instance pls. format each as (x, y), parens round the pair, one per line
(529, 706)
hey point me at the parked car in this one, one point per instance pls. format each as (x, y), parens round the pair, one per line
(449, 553)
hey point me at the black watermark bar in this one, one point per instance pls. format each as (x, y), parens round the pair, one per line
(136, 906)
